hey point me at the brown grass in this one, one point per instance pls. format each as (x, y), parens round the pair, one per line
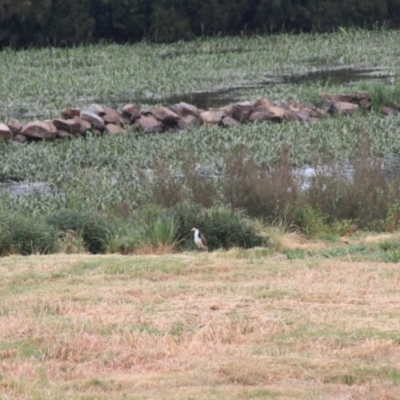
(222, 325)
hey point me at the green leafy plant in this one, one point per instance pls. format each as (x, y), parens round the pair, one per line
(223, 227)
(94, 229)
(25, 236)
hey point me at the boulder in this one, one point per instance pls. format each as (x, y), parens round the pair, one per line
(263, 103)
(93, 118)
(342, 98)
(5, 132)
(84, 125)
(67, 125)
(240, 111)
(268, 113)
(149, 124)
(325, 96)
(343, 107)
(229, 121)
(113, 129)
(39, 130)
(315, 112)
(69, 113)
(327, 105)
(183, 109)
(96, 109)
(63, 134)
(187, 122)
(20, 138)
(15, 126)
(388, 110)
(212, 116)
(131, 112)
(365, 103)
(165, 115)
(112, 117)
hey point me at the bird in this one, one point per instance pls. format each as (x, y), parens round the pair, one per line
(199, 239)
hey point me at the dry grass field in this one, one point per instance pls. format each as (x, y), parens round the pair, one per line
(240, 324)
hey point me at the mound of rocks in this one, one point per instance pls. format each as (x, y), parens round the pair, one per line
(99, 119)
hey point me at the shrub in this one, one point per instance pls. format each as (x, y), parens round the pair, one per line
(26, 236)
(95, 230)
(222, 226)
(261, 191)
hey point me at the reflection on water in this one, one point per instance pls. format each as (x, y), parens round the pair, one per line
(23, 189)
(221, 97)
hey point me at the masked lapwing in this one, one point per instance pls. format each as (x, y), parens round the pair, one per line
(199, 239)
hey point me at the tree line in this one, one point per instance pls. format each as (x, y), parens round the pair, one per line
(69, 22)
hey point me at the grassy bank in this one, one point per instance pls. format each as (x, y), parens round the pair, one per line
(237, 324)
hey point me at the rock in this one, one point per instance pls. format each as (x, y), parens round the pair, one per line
(183, 109)
(15, 126)
(149, 124)
(93, 118)
(96, 109)
(365, 103)
(20, 138)
(67, 125)
(327, 105)
(145, 111)
(112, 117)
(343, 107)
(131, 112)
(84, 125)
(212, 117)
(303, 115)
(5, 132)
(63, 134)
(361, 96)
(342, 98)
(125, 120)
(69, 113)
(39, 130)
(388, 110)
(51, 125)
(315, 112)
(269, 113)
(229, 121)
(187, 122)
(113, 129)
(240, 111)
(263, 103)
(165, 115)
(325, 96)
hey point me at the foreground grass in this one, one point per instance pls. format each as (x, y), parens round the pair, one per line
(237, 324)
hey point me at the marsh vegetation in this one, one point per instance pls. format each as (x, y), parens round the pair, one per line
(278, 315)
(255, 168)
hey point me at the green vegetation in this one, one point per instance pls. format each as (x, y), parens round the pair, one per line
(135, 190)
(93, 229)
(144, 72)
(19, 235)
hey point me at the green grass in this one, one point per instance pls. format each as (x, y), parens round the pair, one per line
(105, 174)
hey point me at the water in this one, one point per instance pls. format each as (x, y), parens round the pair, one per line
(24, 189)
(222, 97)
